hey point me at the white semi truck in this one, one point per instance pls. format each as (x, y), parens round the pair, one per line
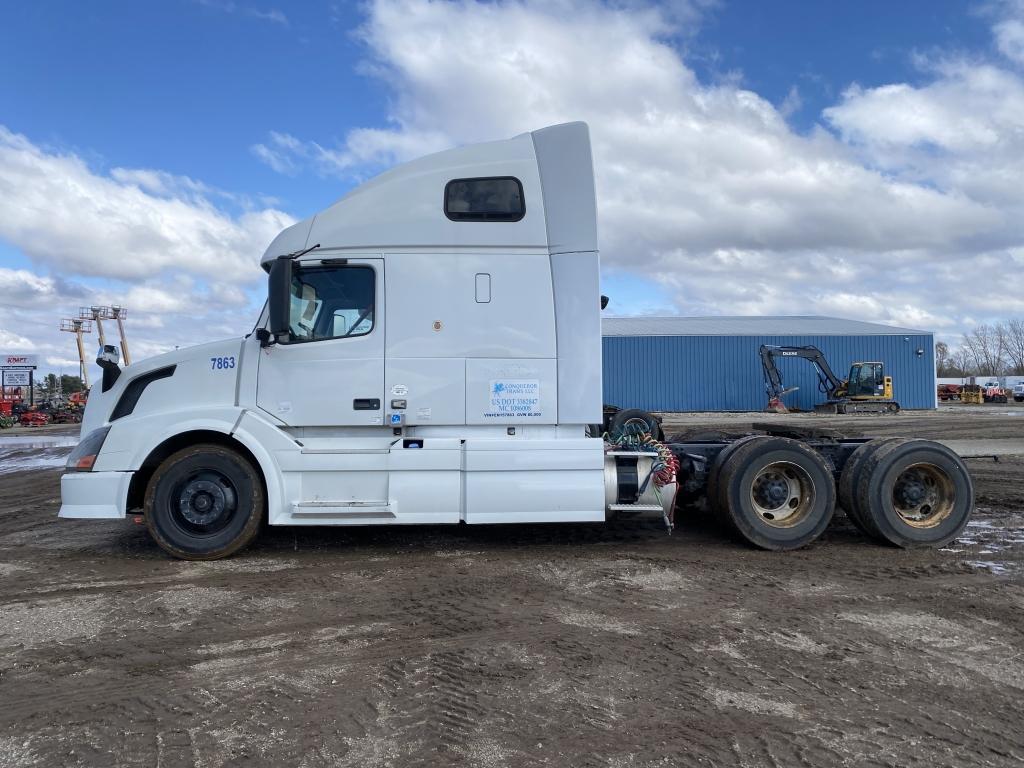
(430, 352)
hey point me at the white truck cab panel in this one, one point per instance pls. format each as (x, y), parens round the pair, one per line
(436, 360)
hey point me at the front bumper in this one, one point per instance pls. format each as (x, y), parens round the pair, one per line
(94, 494)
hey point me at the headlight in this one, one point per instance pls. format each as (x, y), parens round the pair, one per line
(84, 455)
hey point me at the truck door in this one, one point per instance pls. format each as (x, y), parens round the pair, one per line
(330, 372)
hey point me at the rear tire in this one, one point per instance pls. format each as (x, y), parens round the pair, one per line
(915, 493)
(776, 493)
(714, 487)
(204, 503)
(848, 479)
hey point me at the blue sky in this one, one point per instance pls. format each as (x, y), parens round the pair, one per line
(814, 145)
(188, 87)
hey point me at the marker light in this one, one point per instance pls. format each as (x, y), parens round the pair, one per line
(84, 455)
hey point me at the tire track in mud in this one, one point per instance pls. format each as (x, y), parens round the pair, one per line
(367, 648)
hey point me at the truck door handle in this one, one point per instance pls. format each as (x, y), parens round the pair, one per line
(366, 404)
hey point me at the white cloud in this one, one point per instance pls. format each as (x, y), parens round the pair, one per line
(281, 153)
(131, 224)
(163, 313)
(229, 6)
(902, 207)
(1010, 39)
(11, 341)
(704, 187)
(187, 269)
(22, 288)
(273, 15)
(793, 102)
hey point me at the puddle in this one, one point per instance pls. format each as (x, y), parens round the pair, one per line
(21, 452)
(997, 569)
(997, 545)
(9, 442)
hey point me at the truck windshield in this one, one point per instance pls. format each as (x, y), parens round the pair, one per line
(332, 302)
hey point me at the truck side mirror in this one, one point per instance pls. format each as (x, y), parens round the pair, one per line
(279, 290)
(604, 302)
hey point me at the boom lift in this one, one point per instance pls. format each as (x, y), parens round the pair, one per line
(79, 326)
(430, 352)
(866, 390)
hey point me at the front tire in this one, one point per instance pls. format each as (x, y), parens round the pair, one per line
(204, 503)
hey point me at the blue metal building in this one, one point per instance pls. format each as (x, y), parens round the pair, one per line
(712, 363)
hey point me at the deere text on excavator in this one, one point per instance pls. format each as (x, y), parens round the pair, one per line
(866, 390)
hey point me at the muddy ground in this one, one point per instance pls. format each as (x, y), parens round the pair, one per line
(561, 645)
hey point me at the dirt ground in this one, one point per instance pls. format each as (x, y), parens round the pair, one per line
(558, 645)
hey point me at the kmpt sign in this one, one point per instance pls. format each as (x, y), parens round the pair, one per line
(19, 361)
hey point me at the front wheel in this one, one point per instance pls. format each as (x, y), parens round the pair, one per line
(204, 503)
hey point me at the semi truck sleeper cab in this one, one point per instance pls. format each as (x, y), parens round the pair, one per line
(430, 352)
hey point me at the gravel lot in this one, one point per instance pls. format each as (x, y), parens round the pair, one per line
(558, 645)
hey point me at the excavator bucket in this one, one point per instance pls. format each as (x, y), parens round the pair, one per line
(775, 405)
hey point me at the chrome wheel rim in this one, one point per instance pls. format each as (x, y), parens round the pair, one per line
(923, 495)
(782, 494)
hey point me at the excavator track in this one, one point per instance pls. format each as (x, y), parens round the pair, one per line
(858, 406)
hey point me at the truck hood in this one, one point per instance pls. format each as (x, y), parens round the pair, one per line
(206, 384)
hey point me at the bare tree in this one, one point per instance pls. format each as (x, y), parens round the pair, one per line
(984, 345)
(1011, 338)
(962, 362)
(942, 361)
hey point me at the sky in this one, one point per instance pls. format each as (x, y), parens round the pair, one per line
(858, 160)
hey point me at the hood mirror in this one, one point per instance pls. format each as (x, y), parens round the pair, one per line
(107, 358)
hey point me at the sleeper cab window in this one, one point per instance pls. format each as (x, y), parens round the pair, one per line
(495, 198)
(332, 302)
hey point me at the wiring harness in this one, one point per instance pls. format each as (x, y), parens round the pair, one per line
(636, 437)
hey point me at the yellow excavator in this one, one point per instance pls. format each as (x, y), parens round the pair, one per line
(866, 390)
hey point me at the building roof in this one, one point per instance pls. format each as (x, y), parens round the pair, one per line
(802, 325)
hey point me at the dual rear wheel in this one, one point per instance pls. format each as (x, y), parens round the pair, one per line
(779, 494)
(907, 493)
(773, 492)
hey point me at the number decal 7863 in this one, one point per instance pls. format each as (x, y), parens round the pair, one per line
(221, 363)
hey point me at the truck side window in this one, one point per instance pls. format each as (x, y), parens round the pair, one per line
(498, 198)
(332, 302)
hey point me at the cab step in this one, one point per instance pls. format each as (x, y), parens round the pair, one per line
(344, 509)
